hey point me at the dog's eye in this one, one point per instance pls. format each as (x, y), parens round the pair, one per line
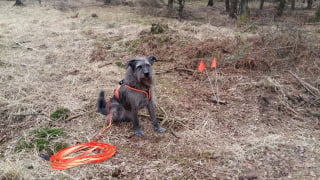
(139, 67)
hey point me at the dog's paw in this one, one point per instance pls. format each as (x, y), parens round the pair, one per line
(139, 133)
(160, 129)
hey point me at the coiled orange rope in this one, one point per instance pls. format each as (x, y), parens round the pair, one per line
(60, 160)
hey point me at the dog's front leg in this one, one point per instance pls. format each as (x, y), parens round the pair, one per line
(136, 125)
(152, 112)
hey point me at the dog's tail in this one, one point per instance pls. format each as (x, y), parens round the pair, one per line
(102, 104)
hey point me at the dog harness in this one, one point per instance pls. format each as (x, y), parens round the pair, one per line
(117, 91)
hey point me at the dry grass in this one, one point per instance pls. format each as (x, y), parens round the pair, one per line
(52, 58)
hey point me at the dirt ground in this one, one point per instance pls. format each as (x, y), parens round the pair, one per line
(60, 55)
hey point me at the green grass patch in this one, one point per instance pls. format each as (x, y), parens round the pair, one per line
(22, 144)
(41, 144)
(41, 139)
(48, 133)
(60, 114)
(58, 146)
(158, 28)
(119, 64)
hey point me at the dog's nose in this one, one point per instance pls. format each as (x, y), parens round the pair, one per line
(146, 74)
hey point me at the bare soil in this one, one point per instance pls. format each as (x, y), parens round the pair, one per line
(62, 54)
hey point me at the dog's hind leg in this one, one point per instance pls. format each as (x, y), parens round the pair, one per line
(102, 104)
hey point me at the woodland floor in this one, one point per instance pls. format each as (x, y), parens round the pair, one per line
(61, 55)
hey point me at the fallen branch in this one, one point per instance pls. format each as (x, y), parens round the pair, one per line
(30, 114)
(184, 69)
(103, 65)
(4, 137)
(219, 102)
(312, 90)
(174, 134)
(165, 116)
(166, 71)
(73, 117)
(284, 95)
(284, 47)
(177, 69)
(317, 23)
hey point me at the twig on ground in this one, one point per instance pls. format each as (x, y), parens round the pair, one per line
(219, 102)
(282, 99)
(317, 23)
(3, 138)
(177, 69)
(284, 47)
(30, 114)
(78, 115)
(104, 64)
(27, 47)
(165, 116)
(73, 117)
(173, 133)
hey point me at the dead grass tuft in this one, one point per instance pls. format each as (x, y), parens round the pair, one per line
(98, 54)
(11, 175)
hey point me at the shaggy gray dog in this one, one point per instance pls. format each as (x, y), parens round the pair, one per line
(134, 93)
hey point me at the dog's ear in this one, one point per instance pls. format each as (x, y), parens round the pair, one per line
(152, 59)
(131, 63)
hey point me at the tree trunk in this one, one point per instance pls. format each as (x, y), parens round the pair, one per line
(181, 6)
(281, 7)
(261, 4)
(210, 3)
(241, 6)
(170, 5)
(18, 3)
(293, 4)
(227, 2)
(310, 2)
(233, 9)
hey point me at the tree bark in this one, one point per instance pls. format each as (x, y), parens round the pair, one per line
(293, 4)
(310, 2)
(181, 6)
(227, 2)
(170, 5)
(210, 3)
(241, 6)
(261, 4)
(18, 3)
(233, 9)
(281, 7)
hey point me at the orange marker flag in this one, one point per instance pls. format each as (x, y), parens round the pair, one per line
(202, 66)
(214, 63)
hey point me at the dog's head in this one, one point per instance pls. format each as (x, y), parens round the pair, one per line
(142, 69)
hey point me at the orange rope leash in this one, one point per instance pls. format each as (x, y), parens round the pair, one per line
(61, 161)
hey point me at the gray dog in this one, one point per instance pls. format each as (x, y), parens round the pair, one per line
(134, 93)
